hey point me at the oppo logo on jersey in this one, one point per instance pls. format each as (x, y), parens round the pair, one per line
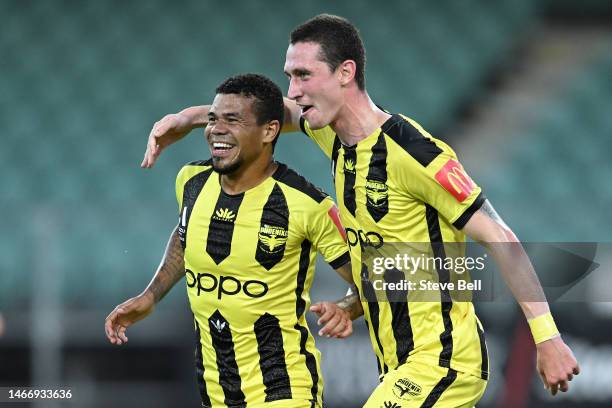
(364, 238)
(224, 285)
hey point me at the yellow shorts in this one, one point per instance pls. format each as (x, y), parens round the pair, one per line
(417, 384)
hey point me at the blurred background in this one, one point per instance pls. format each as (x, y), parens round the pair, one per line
(521, 89)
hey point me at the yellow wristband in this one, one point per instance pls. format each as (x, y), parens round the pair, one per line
(543, 328)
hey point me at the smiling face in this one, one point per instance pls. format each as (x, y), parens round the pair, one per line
(233, 135)
(312, 84)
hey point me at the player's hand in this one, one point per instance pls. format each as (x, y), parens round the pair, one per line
(556, 364)
(168, 130)
(126, 314)
(337, 321)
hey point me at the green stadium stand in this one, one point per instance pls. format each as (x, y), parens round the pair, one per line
(562, 167)
(83, 82)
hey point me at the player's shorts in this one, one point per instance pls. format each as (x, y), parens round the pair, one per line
(417, 384)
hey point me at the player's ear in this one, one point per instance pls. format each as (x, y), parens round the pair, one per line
(271, 130)
(346, 72)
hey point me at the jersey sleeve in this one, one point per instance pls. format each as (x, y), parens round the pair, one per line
(180, 186)
(445, 185)
(187, 172)
(327, 234)
(324, 137)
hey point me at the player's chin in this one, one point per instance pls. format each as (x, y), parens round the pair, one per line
(224, 165)
(315, 121)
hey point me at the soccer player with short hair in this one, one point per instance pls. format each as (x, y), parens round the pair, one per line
(248, 234)
(396, 183)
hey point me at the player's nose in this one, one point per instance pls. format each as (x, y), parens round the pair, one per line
(294, 91)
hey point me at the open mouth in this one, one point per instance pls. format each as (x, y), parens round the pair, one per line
(221, 149)
(306, 109)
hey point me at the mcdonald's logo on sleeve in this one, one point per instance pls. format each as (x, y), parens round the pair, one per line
(334, 214)
(455, 180)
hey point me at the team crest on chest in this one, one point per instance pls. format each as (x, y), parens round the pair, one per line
(377, 193)
(273, 229)
(376, 188)
(272, 239)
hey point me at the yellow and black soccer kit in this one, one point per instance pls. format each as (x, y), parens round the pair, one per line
(401, 185)
(249, 261)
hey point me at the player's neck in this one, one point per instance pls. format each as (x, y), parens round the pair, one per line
(248, 176)
(358, 118)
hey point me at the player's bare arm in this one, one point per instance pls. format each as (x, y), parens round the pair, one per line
(173, 127)
(336, 317)
(351, 303)
(555, 360)
(170, 271)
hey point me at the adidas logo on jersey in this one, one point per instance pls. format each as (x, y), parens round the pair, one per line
(223, 214)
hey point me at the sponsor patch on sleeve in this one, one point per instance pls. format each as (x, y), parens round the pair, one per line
(455, 180)
(334, 214)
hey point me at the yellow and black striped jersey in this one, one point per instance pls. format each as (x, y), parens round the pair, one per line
(401, 185)
(249, 261)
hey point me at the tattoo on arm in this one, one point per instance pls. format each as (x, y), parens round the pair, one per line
(170, 270)
(351, 303)
(490, 212)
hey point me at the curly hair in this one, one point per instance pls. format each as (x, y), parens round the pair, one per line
(268, 104)
(339, 40)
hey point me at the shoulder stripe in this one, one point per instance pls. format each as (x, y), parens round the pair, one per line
(294, 180)
(421, 148)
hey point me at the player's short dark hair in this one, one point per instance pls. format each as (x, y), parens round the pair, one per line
(339, 40)
(268, 101)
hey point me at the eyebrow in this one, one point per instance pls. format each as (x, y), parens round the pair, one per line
(226, 114)
(297, 71)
